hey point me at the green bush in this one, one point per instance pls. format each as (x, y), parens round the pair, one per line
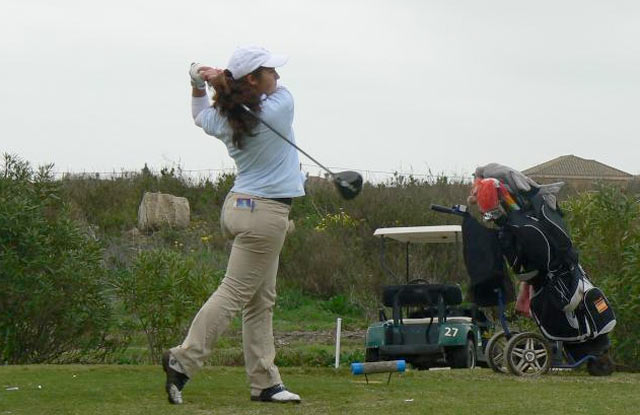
(53, 298)
(316, 355)
(340, 305)
(605, 226)
(111, 204)
(291, 298)
(333, 251)
(163, 290)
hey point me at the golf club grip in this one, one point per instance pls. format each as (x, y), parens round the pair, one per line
(460, 210)
(443, 209)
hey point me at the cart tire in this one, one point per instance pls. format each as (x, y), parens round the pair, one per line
(528, 354)
(463, 357)
(495, 352)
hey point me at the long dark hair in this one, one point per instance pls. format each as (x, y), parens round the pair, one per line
(229, 97)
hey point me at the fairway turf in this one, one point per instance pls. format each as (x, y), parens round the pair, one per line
(108, 390)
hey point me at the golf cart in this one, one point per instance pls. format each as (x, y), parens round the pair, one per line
(428, 327)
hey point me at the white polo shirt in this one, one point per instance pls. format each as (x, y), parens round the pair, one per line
(267, 166)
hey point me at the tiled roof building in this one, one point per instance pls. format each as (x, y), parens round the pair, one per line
(577, 171)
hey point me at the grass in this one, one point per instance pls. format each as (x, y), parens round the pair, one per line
(295, 348)
(304, 328)
(88, 390)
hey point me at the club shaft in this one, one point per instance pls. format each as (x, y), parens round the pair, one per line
(266, 124)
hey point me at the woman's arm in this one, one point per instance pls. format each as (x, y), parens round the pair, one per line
(200, 77)
(199, 102)
(197, 93)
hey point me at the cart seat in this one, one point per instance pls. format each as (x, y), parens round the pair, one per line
(435, 320)
(421, 295)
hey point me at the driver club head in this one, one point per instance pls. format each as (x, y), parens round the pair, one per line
(348, 183)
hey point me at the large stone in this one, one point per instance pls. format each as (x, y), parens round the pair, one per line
(157, 209)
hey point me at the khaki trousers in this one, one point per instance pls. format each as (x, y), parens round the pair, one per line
(258, 227)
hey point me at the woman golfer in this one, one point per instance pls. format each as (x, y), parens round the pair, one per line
(255, 215)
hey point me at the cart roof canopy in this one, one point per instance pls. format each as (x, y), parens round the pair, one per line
(422, 234)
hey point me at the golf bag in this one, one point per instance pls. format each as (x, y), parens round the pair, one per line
(565, 304)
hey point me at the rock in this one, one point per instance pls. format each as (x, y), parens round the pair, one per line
(158, 209)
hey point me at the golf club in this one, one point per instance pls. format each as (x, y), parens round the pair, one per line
(348, 183)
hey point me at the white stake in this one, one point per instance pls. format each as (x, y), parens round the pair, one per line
(338, 329)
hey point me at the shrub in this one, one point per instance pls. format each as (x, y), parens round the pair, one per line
(333, 250)
(112, 204)
(53, 293)
(163, 289)
(340, 305)
(605, 226)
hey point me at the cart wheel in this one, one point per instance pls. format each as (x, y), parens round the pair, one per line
(528, 354)
(463, 357)
(495, 352)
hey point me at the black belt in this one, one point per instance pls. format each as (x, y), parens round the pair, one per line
(286, 200)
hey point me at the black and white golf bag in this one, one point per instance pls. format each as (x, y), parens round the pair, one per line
(565, 304)
(588, 316)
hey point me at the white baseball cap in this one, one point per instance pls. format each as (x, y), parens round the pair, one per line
(247, 59)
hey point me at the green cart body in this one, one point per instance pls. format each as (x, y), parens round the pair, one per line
(437, 332)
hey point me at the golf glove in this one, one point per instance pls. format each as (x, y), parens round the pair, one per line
(196, 79)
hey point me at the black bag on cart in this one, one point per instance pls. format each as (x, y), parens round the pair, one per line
(485, 264)
(536, 243)
(601, 316)
(556, 324)
(593, 316)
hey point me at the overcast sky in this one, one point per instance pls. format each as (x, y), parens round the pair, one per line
(408, 85)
